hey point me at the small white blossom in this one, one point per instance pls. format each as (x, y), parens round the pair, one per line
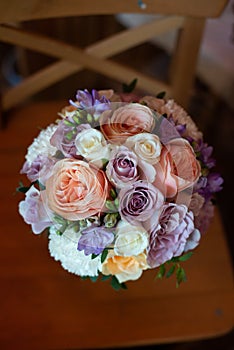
(41, 144)
(64, 249)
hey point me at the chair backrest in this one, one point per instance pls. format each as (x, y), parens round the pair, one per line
(186, 16)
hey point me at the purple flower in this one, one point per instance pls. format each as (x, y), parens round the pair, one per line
(39, 169)
(209, 185)
(204, 153)
(95, 103)
(33, 211)
(215, 182)
(170, 237)
(95, 239)
(140, 203)
(122, 168)
(67, 144)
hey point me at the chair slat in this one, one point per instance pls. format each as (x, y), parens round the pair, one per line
(103, 49)
(38, 9)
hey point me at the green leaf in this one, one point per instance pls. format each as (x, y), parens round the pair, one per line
(161, 94)
(111, 206)
(84, 277)
(116, 285)
(185, 257)
(93, 278)
(94, 256)
(22, 189)
(129, 87)
(40, 185)
(76, 119)
(104, 255)
(89, 118)
(180, 276)
(68, 123)
(69, 135)
(113, 193)
(161, 272)
(106, 277)
(170, 271)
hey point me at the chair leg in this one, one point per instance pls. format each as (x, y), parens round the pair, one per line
(185, 59)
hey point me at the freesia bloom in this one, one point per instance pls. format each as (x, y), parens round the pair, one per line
(94, 102)
(95, 239)
(146, 146)
(76, 190)
(130, 240)
(170, 237)
(124, 268)
(91, 144)
(126, 121)
(177, 169)
(33, 211)
(140, 202)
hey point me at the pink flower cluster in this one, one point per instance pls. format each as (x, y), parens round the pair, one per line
(123, 178)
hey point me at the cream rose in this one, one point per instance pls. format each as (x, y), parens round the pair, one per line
(146, 146)
(124, 268)
(126, 121)
(76, 190)
(91, 144)
(130, 240)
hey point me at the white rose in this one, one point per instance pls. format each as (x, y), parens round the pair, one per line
(91, 145)
(146, 146)
(131, 240)
(64, 249)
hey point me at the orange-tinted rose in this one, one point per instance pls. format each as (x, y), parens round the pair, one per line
(126, 121)
(76, 190)
(124, 267)
(177, 169)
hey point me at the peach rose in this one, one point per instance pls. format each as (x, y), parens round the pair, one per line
(76, 190)
(125, 121)
(177, 169)
(125, 268)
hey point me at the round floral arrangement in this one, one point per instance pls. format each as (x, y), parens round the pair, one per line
(122, 184)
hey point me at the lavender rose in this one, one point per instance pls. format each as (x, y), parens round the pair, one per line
(122, 167)
(171, 237)
(125, 168)
(140, 202)
(95, 239)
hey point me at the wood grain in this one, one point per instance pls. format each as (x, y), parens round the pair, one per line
(44, 307)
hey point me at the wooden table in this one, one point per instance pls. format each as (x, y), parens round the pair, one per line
(44, 307)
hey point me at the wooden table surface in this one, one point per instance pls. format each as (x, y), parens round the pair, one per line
(44, 307)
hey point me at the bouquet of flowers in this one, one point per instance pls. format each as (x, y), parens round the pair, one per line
(122, 184)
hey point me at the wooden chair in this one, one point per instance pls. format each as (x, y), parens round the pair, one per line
(44, 307)
(186, 16)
